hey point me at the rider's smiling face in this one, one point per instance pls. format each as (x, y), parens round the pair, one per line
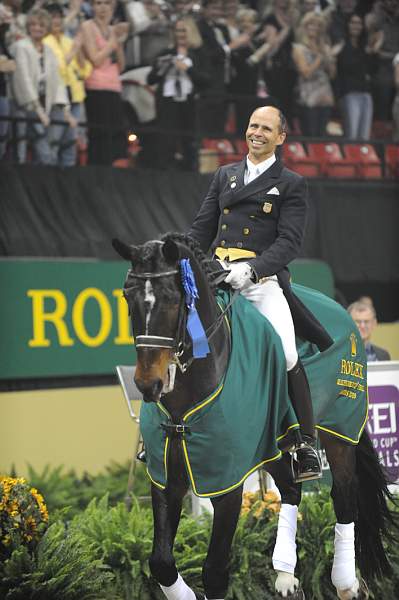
(264, 133)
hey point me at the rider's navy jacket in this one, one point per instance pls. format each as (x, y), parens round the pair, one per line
(267, 216)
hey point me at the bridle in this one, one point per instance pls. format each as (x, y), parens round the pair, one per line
(152, 341)
(179, 343)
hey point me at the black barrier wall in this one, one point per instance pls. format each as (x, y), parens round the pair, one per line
(75, 212)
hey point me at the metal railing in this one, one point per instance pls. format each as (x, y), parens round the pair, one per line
(206, 145)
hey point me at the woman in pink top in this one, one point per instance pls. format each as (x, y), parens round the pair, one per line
(103, 46)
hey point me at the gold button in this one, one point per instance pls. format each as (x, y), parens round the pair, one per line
(224, 226)
(245, 231)
(223, 243)
(239, 244)
(226, 211)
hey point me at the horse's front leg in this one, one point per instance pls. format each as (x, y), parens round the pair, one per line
(166, 506)
(284, 554)
(215, 572)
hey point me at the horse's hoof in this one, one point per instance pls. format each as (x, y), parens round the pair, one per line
(297, 595)
(359, 591)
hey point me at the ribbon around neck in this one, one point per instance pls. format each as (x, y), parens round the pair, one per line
(194, 326)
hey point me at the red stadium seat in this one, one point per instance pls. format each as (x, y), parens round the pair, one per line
(333, 163)
(295, 157)
(241, 147)
(82, 152)
(223, 149)
(392, 160)
(369, 165)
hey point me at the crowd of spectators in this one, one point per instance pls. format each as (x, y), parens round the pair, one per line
(208, 62)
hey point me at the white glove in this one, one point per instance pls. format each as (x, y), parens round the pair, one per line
(240, 274)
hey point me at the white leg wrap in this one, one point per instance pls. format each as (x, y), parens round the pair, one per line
(284, 554)
(178, 591)
(343, 574)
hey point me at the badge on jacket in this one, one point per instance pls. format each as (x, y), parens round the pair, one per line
(267, 207)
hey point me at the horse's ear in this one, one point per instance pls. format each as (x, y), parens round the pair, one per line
(171, 251)
(125, 251)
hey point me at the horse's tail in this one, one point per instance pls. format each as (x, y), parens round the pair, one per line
(375, 519)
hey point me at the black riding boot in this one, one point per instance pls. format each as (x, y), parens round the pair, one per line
(309, 466)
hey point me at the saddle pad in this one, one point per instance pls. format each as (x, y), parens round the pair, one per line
(337, 376)
(237, 428)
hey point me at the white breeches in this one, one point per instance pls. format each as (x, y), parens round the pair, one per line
(269, 299)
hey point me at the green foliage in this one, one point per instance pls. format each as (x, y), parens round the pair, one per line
(315, 545)
(122, 539)
(102, 551)
(62, 568)
(68, 491)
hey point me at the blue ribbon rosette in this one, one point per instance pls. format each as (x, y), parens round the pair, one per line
(194, 326)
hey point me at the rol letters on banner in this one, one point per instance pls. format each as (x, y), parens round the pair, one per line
(63, 318)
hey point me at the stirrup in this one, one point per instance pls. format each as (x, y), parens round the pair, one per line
(311, 474)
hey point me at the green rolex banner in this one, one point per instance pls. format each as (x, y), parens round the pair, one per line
(242, 422)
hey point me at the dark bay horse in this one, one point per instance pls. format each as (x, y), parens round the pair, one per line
(155, 296)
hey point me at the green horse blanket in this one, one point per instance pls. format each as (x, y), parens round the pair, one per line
(239, 427)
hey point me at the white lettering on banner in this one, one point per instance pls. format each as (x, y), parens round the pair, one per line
(389, 458)
(382, 418)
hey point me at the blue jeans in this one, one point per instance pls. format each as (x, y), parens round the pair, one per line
(357, 108)
(4, 125)
(63, 138)
(36, 134)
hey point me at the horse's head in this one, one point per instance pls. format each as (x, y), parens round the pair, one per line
(153, 292)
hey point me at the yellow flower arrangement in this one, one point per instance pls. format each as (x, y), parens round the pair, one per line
(257, 502)
(23, 515)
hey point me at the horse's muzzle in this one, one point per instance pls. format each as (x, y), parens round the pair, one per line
(151, 390)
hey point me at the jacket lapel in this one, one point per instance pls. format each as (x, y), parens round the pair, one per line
(235, 181)
(261, 184)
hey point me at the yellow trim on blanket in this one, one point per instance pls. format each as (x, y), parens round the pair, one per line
(232, 487)
(294, 426)
(159, 485)
(344, 437)
(204, 403)
(165, 458)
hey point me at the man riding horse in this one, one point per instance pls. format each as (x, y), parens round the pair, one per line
(253, 218)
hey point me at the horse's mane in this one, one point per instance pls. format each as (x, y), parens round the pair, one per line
(206, 264)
